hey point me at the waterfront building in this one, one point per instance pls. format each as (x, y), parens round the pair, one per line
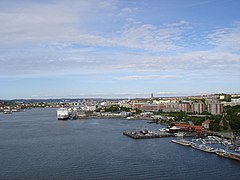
(188, 127)
(206, 123)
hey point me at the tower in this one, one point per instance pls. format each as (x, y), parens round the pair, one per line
(152, 96)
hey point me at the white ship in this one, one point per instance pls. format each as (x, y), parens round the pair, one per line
(63, 114)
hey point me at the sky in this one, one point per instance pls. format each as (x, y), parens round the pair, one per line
(118, 48)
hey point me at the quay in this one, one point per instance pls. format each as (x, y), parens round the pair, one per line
(209, 149)
(145, 134)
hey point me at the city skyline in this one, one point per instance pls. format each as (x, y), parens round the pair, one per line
(114, 48)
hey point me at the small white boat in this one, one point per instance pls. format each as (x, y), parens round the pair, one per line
(180, 134)
(203, 147)
(15, 110)
(182, 142)
(163, 129)
(7, 111)
(130, 117)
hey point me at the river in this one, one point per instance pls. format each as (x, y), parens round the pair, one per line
(35, 145)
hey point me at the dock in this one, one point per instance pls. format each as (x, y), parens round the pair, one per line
(146, 134)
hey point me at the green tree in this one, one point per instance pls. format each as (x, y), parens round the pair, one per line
(214, 126)
(138, 111)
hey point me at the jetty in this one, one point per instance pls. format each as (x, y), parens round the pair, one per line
(146, 134)
(209, 149)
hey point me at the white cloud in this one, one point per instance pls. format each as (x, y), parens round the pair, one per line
(143, 36)
(90, 60)
(55, 39)
(149, 37)
(73, 22)
(226, 38)
(145, 77)
(49, 22)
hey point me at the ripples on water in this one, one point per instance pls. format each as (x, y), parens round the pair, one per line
(34, 145)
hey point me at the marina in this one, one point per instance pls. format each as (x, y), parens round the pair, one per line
(209, 149)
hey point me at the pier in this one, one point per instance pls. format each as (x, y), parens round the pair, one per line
(145, 134)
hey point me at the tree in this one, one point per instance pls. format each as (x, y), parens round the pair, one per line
(225, 125)
(214, 126)
(138, 111)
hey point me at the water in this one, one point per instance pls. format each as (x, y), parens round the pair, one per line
(34, 145)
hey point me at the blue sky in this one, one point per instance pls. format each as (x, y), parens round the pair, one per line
(78, 48)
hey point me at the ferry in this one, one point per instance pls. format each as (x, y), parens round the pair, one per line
(63, 114)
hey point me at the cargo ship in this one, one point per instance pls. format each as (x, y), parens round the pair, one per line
(63, 114)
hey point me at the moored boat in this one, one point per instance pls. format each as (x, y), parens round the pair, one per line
(180, 134)
(230, 155)
(15, 110)
(7, 111)
(182, 142)
(63, 114)
(202, 147)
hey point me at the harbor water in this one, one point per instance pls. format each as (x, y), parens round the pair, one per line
(35, 145)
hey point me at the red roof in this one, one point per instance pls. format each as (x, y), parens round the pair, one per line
(207, 121)
(193, 127)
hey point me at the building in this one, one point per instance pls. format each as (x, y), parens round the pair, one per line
(151, 96)
(162, 106)
(185, 107)
(146, 107)
(125, 103)
(89, 108)
(235, 100)
(198, 107)
(171, 107)
(188, 127)
(215, 108)
(206, 123)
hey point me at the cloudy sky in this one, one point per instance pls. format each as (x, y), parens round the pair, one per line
(113, 48)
